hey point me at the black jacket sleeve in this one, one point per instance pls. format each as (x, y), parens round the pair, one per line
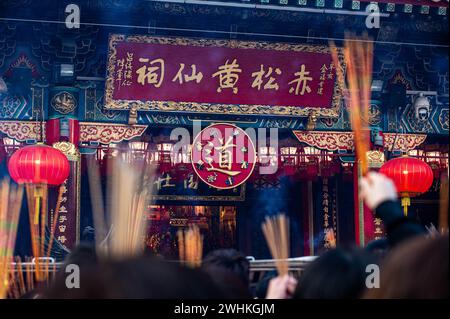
(398, 227)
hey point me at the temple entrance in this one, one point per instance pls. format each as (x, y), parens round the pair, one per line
(217, 225)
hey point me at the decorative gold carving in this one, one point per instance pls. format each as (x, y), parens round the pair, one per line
(21, 130)
(132, 118)
(330, 141)
(333, 141)
(374, 114)
(443, 119)
(375, 159)
(89, 132)
(109, 133)
(312, 120)
(64, 102)
(68, 149)
(403, 142)
(212, 108)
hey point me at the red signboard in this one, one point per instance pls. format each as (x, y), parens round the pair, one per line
(223, 156)
(219, 76)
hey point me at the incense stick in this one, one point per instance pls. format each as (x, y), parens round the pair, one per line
(20, 275)
(276, 232)
(443, 205)
(98, 212)
(10, 204)
(358, 57)
(190, 246)
(129, 197)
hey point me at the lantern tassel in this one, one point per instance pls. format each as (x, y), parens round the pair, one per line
(406, 201)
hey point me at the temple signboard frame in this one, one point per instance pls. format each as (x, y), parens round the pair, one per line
(148, 73)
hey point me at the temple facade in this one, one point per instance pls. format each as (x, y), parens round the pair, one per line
(131, 73)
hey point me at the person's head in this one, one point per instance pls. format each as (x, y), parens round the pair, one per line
(416, 269)
(338, 273)
(230, 285)
(378, 246)
(82, 254)
(88, 235)
(229, 260)
(136, 278)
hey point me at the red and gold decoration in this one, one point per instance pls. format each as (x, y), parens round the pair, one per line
(223, 156)
(88, 132)
(333, 141)
(38, 164)
(403, 142)
(330, 141)
(66, 217)
(62, 129)
(171, 74)
(106, 133)
(21, 130)
(411, 177)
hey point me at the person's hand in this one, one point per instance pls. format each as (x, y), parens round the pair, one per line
(281, 287)
(376, 188)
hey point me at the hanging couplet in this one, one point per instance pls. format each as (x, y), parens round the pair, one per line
(223, 156)
(67, 231)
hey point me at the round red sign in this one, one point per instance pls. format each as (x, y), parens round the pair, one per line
(223, 156)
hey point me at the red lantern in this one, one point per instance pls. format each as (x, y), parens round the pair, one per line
(411, 177)
(38, 164)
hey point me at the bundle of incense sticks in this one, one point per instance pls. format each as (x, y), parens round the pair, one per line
(358, 58)
(330, 238)
(128, 204)
(37, 200)
(443, 205)
(276, 232)
(128, 199)
(190, 246)
(10, 204)
(22, 276)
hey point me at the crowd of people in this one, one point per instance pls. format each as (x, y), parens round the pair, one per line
(412, 264)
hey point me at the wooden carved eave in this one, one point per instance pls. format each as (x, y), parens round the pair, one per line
(89, 132)
(334, 141)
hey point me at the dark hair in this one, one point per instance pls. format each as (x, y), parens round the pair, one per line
(230, 285)
(230, 260)
(377, 244)
(379, 247)
(88, 234)
(417, 268)
(83, 254)
(136, 278)
(338, 273)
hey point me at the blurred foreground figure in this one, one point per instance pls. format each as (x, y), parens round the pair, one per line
(337, 274)
(230, 270)
(136, 278)
(417, 269)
